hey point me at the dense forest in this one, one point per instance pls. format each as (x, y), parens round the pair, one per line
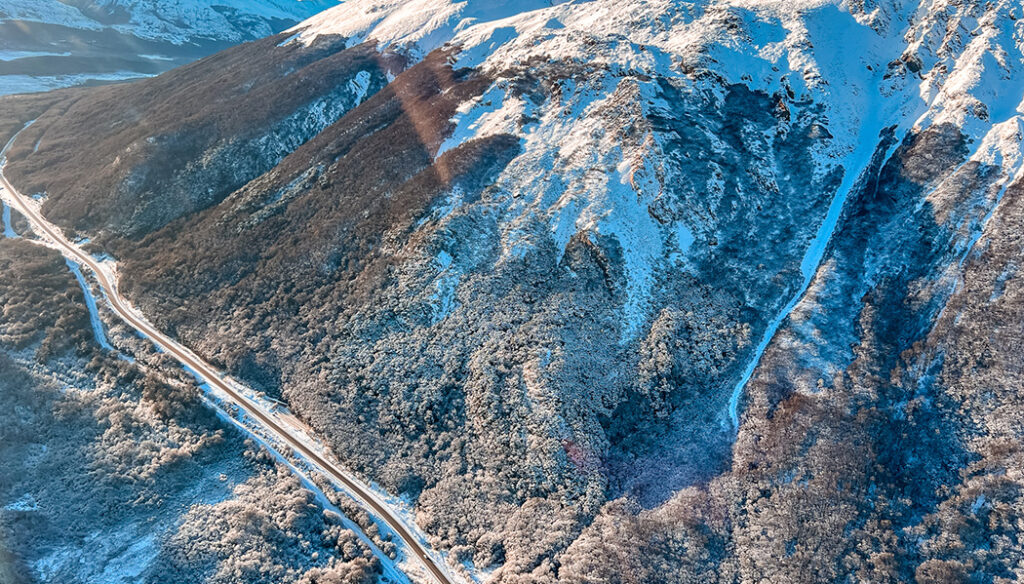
(117, 473)
(722, 293)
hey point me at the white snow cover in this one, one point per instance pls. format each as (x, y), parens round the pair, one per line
(12, 84)
(25, 503)
(9, 231)
(869, 65)
(90, 303)
(177, 21)
(419, 25)
(107, 27)
(51, 11)
(15, 55)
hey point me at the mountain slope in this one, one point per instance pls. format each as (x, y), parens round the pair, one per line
(617, 291)
(46, 44)
(115, 473)
(139, 156)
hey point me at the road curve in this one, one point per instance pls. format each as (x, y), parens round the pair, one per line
(212, 377)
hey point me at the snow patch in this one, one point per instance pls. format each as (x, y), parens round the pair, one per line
(24, 503)
(9, 231)
(12, 84)
(682, 239)
(11, 55)
(443, 301)
(90, 303)
(359, 85)
(640, 240)
(127, 566)
(490, 114)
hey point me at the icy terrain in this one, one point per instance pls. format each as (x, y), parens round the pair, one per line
(176, 21)
(49, 44)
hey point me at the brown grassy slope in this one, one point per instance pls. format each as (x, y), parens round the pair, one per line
(16, 110)
(131, 157)
(317, 219)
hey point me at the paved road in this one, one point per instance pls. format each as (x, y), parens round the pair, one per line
(211, 376)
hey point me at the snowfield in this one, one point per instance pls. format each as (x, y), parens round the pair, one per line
(902, 74)
(175, 21)
(50, 44)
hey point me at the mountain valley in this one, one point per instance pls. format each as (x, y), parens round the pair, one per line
(601, 291)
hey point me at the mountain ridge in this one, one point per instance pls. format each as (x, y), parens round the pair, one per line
(622, 291)
(48, 44)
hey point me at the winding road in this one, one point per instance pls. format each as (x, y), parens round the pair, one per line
(186, 357)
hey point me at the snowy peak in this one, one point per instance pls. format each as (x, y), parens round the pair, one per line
(417, 25)
(176, 21)
(600, 137)
(48, 44)
(767, 44)
(770, 46)
(904, 63)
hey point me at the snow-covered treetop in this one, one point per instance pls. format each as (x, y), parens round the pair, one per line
(863, 65)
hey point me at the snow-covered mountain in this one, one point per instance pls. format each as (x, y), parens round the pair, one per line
(612, 290)
(46, 44)
(175, 21)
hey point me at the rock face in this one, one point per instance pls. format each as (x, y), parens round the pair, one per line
(615, 291)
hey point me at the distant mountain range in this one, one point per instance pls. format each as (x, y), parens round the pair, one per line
(46, 44)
